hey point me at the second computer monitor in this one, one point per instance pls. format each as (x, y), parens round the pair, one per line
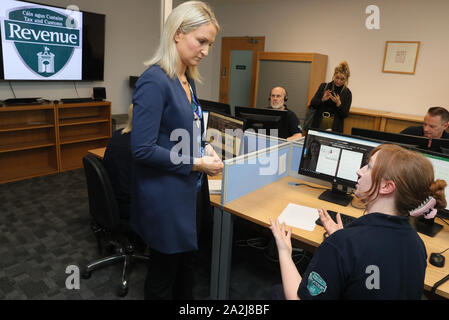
(422, 143)
(266, 121)
(440, 164)
(217, 107)
(225, 135)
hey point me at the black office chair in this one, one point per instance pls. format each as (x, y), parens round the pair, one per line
(106, 223)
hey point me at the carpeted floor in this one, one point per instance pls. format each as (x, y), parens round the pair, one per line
(45, 228)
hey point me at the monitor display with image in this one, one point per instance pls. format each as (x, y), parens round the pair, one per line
(225, 134)
(336, 158)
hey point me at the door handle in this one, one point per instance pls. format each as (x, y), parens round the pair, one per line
(223, 72)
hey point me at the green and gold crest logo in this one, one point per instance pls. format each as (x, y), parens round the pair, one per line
(44, 39)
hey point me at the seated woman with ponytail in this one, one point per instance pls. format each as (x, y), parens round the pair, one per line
(379, 255)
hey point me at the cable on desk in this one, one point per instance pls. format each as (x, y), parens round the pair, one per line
(439, 283)
(442, 219)
(352, 205)
(297, 257)
(304, 184)
(76, 89)
(262, 243)
(443, 251)
(360, 208)
(319, 188)
(12, 89)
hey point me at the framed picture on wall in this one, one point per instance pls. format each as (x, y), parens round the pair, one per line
(401, 56)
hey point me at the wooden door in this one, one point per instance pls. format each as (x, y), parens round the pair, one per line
(229, 44)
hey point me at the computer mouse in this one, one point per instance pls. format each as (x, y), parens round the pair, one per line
(437, 260)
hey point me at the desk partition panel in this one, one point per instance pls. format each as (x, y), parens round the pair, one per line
(295, 158)
(249, 172)
(255, 141)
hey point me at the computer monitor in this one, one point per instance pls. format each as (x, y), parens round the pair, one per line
(268, 120)
(335, 157)
(440, 164)
(216, 107)
(422, 143)
(225, 134)
(440, 146)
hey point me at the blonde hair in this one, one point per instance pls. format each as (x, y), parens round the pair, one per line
(343, 68)
(186, 17)
(412, 174)
(129, 125)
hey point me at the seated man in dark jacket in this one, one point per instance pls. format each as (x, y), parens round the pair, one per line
(278, 97)
(436, 121)
(117, 162)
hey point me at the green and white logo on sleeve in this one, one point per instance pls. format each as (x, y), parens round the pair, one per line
(47, 43)
(316, 285)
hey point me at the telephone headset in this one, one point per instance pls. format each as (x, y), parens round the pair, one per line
(286, 95)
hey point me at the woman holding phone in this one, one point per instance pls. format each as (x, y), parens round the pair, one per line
(332, 101)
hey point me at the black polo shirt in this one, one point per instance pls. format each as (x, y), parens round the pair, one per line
(419, 131)
(377, 256)
(294, 126)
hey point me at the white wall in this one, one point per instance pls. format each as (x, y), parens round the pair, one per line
(132, 35)
(337, 29)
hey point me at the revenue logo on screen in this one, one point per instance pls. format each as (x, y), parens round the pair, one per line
(45, 41)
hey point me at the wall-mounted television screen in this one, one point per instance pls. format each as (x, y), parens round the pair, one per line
(41, 42)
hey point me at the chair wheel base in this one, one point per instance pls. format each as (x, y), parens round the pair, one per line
(122, 292)
(86, 274)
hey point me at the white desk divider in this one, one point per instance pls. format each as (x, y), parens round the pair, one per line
(249, 172)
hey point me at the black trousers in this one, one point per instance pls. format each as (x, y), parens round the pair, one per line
(172, 276)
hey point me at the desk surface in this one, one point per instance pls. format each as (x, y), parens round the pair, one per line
(252, 207)
(98, 152)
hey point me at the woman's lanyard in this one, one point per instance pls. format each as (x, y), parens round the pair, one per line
(198, 115)
(196, 108)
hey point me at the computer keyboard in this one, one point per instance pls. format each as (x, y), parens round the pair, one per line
(345, 219)
(76, 100)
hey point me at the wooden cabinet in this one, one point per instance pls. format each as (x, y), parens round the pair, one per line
(380, 120)
(363, 118)
(27, 142)
(82, 127)
(47, 139)
(396, 122)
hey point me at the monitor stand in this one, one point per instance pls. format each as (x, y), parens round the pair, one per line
(427, 226)
(337, 196)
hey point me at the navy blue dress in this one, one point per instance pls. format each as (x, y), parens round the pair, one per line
(164, 143)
